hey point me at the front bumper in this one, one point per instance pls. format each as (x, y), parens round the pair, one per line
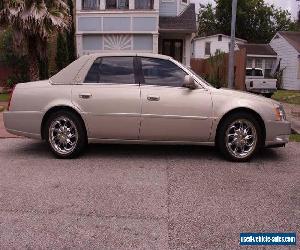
(277, 133)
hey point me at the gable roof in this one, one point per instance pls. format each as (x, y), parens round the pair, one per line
(185, 22)
(293, 38)
(258, 49)
(205, 37)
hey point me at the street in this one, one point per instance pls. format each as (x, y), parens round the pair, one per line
(143, 197)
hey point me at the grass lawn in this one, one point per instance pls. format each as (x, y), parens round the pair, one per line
(288, 96)
(295, 137)
(4, 97)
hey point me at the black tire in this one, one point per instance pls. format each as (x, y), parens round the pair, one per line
(221, 139)
(77, 122)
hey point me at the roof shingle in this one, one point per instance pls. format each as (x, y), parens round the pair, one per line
(292, 37)
(258, 49)
(184, 23)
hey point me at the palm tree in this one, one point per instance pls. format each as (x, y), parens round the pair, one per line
(32, 22)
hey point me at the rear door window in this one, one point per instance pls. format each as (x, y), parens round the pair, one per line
(112, 70)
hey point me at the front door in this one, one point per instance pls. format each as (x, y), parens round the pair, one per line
(173, 48)
(109, 99)
(171, 112)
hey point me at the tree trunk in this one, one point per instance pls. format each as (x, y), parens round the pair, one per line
(34, 72)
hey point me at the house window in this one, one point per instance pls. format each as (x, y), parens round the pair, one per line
(207, 48)
(269, 64)
(144, 4)
(220, 38)
(249, 62)
(90, 4)
(117, 4)
(258, 63)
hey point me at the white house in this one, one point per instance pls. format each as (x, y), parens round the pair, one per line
(158, 26)
(287, 46)
(203, 47)
(260, 56)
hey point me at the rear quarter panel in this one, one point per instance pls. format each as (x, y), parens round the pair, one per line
(30, 102)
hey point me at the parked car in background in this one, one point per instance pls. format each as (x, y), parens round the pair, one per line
(142, 98)
(257, 83)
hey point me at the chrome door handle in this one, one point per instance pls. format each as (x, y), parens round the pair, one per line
(153, 98)
(85, 95)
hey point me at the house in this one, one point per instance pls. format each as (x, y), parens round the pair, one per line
(204, 47)
(260, 56)
(156, 26)
(287, 46)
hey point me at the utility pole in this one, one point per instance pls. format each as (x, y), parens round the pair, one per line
(232, 46)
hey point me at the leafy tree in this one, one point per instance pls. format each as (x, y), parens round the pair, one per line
(207, 20)
(256, 21)
(17, 62)
(32, 22)
(62, 55)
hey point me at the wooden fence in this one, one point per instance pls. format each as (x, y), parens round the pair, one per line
(215, 70)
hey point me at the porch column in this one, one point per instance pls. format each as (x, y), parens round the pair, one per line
(188, 40)
(131, 4)
(155, 43)
(78, 5)
(79, 45)
(156, 5)
(102, 4)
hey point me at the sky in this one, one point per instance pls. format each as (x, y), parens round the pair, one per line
(290, 5)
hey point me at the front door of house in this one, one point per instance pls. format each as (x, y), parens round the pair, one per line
(173, 48)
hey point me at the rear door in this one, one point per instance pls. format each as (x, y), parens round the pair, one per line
(109, 99)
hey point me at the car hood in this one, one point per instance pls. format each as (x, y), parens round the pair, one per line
(244, 95)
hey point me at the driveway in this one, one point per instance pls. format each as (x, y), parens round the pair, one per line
(143, 197)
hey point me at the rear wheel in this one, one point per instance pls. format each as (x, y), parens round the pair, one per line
(239, 137)
(65, 134)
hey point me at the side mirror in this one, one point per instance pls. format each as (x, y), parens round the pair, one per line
(189, 82)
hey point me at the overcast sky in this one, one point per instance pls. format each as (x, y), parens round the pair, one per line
(290, 5)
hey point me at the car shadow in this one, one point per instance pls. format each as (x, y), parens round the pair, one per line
(38, 149)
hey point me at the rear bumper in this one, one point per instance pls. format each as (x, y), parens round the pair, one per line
(277, 133)
(263, 91)
(23, 123)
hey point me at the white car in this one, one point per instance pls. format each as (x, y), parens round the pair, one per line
(142, 98)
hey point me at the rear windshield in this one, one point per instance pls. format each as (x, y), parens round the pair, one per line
(254, 72)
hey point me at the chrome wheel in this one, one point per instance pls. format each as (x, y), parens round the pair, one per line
(241, 138)
(63, 135)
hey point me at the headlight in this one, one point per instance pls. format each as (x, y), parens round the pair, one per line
(280, 113)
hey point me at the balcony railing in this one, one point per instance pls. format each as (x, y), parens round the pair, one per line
(117, 4)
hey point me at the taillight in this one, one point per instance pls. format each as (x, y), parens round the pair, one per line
(11, 95)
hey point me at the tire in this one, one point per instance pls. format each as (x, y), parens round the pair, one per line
(235, 143)
(65, 134)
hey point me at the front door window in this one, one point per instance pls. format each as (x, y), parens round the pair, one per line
(173, 48)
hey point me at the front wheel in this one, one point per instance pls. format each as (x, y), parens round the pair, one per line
(239, 137)
(65, 134)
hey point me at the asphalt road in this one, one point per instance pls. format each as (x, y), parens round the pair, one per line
(143, 197)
